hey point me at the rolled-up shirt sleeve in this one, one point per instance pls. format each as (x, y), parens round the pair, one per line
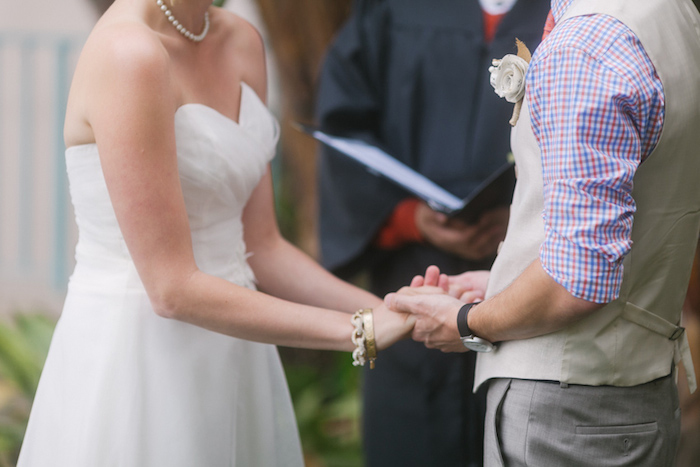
(597, 112)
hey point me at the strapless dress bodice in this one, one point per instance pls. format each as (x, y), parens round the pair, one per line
(220, 162)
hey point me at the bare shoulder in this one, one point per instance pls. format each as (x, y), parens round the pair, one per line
(245, 45)
(123, 60)
(128, 50)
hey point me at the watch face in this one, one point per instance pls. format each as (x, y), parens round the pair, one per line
(477, 344)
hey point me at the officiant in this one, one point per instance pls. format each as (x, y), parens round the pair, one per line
(410, 77)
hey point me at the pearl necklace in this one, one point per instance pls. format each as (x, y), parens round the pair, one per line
(184, 31)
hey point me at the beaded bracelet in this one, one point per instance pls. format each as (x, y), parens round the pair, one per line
(363, 338)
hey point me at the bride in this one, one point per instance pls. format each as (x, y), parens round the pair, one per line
(163, 355)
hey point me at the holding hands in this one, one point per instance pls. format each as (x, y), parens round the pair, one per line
(434, 301)
(427, 309)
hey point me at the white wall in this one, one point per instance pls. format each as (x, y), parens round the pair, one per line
(60, 16)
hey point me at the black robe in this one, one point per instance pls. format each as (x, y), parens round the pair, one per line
(412, 77)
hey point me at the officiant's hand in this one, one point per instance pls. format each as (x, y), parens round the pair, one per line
(390, 326)
(469, 241)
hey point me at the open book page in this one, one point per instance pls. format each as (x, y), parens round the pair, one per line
(379, 162)
(496, 191)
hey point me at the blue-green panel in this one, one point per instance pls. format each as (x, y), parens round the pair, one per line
(26, 155)
(60, 190)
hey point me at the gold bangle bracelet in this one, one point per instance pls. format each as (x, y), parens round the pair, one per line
(370, 343)
(358, 338)
(363, 338)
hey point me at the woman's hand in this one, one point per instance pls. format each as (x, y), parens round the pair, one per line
(432, 278)
(469, 286)
(391, 327)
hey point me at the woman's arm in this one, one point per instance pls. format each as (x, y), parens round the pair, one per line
(286, 272)
(131, 105)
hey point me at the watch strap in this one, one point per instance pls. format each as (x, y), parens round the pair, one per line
(462, 315)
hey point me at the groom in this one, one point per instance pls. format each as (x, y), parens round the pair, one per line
(583, 303)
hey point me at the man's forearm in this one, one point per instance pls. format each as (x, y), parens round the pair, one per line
(534, 304)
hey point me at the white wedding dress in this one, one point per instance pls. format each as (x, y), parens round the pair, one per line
(124, 387)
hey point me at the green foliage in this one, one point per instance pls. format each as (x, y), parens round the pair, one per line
(285, 207)
(24, 343)
(325, 390)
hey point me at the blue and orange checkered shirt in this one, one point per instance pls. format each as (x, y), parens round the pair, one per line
(597, 109)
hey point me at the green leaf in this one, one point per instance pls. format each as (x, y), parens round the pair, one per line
(18, 361)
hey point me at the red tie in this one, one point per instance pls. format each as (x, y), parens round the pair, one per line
(548, 25)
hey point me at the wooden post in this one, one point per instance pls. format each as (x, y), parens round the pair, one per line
(300, 31)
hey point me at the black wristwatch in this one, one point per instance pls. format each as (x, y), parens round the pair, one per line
(470, 341)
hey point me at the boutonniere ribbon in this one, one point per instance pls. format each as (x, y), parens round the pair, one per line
(508, 77)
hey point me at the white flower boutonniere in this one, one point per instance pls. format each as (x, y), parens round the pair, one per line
(508, 77)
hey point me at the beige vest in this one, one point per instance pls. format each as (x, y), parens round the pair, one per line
(637, 337)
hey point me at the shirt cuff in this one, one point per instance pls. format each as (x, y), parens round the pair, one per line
(583, 272)
(400, 228)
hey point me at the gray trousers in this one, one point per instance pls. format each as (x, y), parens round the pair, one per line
(542, 424)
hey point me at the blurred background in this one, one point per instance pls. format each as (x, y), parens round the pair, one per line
(39, 44)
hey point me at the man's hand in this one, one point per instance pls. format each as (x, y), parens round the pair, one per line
(435, 316)
(469, 241)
